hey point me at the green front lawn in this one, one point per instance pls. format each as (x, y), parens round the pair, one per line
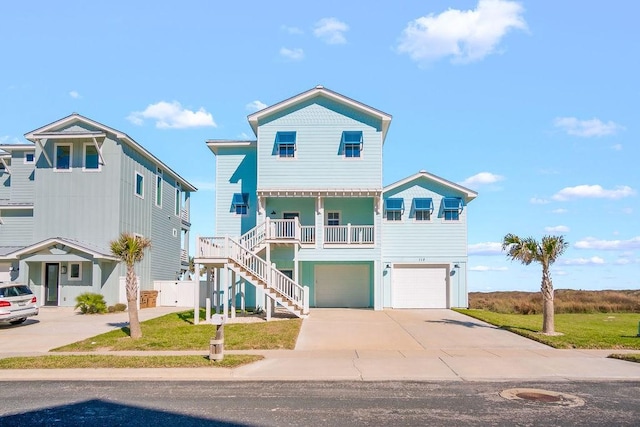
(588, 331)
(176, 331)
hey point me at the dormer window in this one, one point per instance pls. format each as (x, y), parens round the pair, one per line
(451, 208)
(286, 142)
(352, 143)
(62, 159)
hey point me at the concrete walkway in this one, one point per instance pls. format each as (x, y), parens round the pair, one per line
(366, 345)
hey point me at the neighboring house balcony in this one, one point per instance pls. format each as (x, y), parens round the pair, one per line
(184, 256)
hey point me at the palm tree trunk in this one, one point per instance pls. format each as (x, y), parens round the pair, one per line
(135, 331)
(548, 318)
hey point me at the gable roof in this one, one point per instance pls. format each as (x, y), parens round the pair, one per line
(385, 118)
(51, 131)
(95, 252)
(469, 195)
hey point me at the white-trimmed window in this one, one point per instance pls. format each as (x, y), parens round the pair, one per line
(286, 142)
(178, 204)
(423, 207)
(451, 208)
(393, 209)
(29, 158)
(240, 203)
(62, 157)
(90, 158)
(333, 218)
(159, 187)
(75, 271)
(139, 185)
(352, 143)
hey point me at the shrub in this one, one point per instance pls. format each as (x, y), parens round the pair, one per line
(120, 307)
(90, 303)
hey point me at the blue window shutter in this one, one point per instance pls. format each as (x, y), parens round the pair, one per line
(451, 204)
(286, 137)
(240, 199)
(423, 204)
(394, 204)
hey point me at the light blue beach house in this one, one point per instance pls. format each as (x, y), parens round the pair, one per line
(303, 219)
(75, 187)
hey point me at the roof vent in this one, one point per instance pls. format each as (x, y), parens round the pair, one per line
(422, 171)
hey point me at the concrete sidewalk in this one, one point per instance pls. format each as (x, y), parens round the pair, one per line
(366, 345)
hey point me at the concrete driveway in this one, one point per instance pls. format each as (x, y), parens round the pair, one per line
(58, 326)
(405, 331)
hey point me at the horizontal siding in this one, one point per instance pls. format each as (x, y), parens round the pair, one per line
(235, 173)
(424, 240)
(5, 185)
(16, 228)
(22, 179)
(318, 162)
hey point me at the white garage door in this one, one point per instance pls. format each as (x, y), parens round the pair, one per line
(419, 287)
(342, 285)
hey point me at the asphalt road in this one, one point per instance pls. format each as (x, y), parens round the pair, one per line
(38, 403)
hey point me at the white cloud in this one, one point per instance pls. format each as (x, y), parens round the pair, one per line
(486, 248)
(171, 115)
(593, 191)
(256, 105)
(586, 128)
(559, 211)
(560, 273)
(6, 139)
(557, 229)
(481, 179)
(608, 245)
(291, 30)
(331, 30)
(204, 185)
(465, 35)
(617, 147)
(537, 201)
(623, 261)
(74, 94)
(595, 260)
(296, 54)
(486, 268)
(627, 211)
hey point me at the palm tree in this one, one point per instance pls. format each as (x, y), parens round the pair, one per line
(130, 249)
(546, 252)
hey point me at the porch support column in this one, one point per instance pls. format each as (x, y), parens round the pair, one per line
(243, 294)
(377, 285)
(233, 294)
(261, 209)
(225, 292)
(221, 271)
(319, 222)
(196, 296)
(96, 276)
(296, 264)
(267, 307)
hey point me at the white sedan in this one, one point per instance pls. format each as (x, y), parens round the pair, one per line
(17, 302)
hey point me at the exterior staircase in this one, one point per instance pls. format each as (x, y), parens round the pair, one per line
(242, 258)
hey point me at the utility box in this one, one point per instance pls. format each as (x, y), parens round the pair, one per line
(148, 299)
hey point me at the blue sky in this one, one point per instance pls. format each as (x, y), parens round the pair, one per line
(534, 104)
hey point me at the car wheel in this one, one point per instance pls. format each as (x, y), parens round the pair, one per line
(17, 322)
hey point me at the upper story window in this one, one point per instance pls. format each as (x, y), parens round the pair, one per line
(393, 209)
(333, 218)
(451, 208)
(423, 209)
(178, 200)
(62, 158)
(159, 187)
(240, 203)
(29, 158)
(352, 143)
(139, 185)
(286, 142)
(91, 159)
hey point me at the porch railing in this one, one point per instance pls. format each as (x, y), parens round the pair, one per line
(308, 234)
(349, 234)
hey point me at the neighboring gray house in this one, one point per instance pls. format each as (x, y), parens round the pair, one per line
(75, 188)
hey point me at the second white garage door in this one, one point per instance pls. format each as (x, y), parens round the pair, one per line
(419, 287)
(339, 285)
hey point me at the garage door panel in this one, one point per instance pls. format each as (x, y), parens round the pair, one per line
(342, 286)
(419, 287)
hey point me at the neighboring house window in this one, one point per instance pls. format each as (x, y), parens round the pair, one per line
(423, 209)
(75, 272)
(29, 158)
(333, 218)
(159, 188)
(240, 203)
(91, 158)
(139, 185)
(178, 200)
(393, 209)
(286, 142)
(352, 142)
(62, 158)
(451, 207)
